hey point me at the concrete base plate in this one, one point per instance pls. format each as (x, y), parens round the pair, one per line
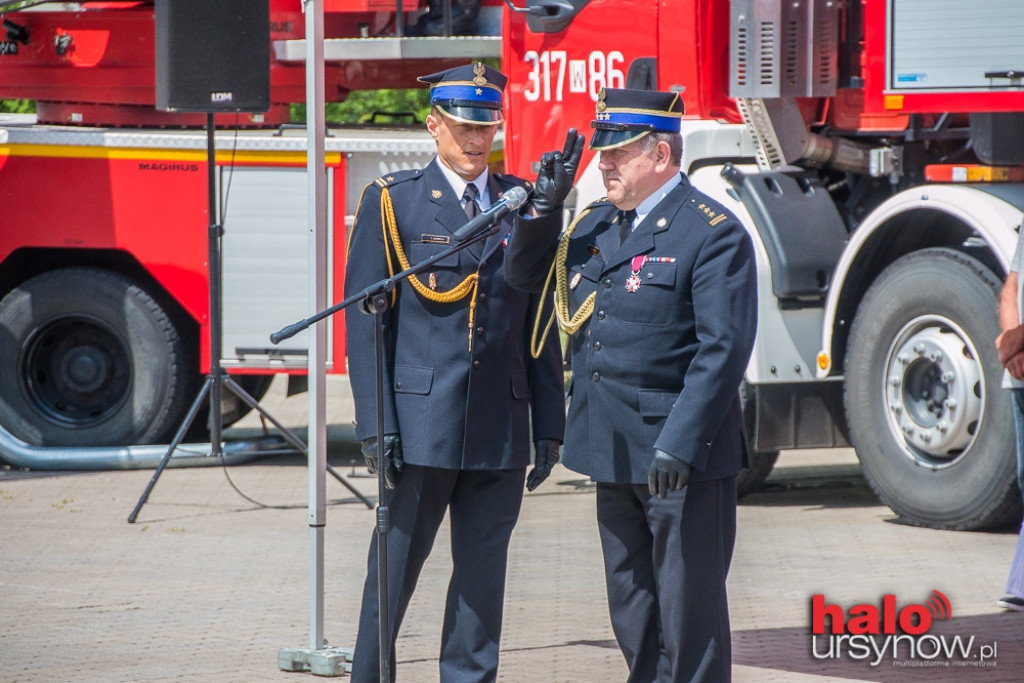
(332, 661)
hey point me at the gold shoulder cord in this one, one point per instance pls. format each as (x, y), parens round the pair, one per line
(460, 291)
(569, 323)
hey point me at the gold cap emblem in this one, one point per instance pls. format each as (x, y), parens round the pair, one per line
(480, 70)
(600, 101)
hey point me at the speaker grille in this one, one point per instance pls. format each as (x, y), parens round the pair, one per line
(212, 55)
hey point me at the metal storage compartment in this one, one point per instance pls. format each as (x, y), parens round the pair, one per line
(950, 45)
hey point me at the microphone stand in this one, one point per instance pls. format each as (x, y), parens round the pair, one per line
(374, 300)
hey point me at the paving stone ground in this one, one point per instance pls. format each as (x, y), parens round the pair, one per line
(214, 577)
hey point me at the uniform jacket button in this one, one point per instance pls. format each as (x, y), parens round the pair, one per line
(476, 364)
(596, 377)
(480, 330)
(600, 315)
(597, 346)
(483, 296)
(607, 283)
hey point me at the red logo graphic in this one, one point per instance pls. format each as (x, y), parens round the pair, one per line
(866, 619)
(876, 633)
(940, 607)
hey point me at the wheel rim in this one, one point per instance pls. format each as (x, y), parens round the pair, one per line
(934, 391)
(76, 371)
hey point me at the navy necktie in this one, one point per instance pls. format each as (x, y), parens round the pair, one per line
(626, 219)
(471, 207)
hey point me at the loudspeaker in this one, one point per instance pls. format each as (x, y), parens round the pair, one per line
(213, 55)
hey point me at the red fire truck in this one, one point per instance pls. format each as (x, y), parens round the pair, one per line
(873, 148)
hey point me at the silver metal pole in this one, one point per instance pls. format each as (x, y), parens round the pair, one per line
(318, 659)
(316, 176)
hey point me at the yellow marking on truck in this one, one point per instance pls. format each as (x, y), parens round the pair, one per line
(156, 153)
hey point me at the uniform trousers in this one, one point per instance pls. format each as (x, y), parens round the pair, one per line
(483, 507)
(666, 562)
(1015, 582)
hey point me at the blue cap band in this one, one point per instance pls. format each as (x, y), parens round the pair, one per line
(665, 122)
(465, 92)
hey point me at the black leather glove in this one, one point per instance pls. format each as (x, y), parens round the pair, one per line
(557, 174)
(393, 461)
(668, 473)
(546, 456)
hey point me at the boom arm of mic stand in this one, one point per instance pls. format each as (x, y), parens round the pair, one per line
(382, 287)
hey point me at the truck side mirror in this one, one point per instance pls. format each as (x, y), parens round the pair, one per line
(549, 16)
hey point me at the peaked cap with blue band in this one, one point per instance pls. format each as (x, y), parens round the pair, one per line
(468, 94)
(625, 115)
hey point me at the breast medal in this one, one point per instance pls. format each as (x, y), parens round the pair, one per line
(633, 281)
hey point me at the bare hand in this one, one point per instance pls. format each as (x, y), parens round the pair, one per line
(1015, 366)
(1010, 343)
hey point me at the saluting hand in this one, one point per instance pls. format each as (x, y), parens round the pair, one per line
(546, 457)
(393, 459)
(668, 473)
(557, 174)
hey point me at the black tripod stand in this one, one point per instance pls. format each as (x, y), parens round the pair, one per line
(218, 378)
(374, 300)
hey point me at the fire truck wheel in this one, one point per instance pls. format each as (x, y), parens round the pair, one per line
(89, 358)
(761, 462)
(750, 479)
(233, 408)
(931, 425)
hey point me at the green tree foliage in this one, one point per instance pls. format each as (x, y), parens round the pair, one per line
(375, 106)
(17, 106)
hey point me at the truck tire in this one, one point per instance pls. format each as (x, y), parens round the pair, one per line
(752, 477)
(89, 358)
(234, 408)
(930, 423)
(761, 462)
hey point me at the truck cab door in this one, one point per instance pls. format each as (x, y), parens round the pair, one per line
(558, 56)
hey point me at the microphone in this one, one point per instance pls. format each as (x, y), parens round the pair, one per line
(509, 202)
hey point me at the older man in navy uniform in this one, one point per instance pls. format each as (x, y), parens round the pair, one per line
(461, 388)
(656, 284)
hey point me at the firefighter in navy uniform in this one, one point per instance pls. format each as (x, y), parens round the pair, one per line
(461, 390)
(656, 285)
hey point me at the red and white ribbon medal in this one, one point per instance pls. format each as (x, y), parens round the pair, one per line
(633, 281)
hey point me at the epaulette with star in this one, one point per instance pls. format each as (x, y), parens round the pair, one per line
(398, 177)
(513, 180)
(711, 211)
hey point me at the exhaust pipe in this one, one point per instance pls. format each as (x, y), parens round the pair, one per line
(781, 138)
(20, 454)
